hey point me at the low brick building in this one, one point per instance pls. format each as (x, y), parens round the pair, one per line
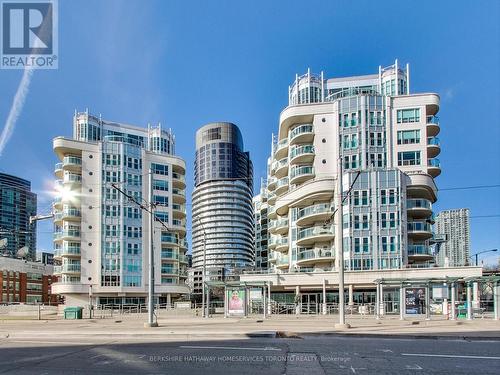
(26, 282)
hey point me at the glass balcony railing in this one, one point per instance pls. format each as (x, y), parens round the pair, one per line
(418, 203)
(315, 209)
(179, 207)
(419, 226)
(179, 223)
(282, 260)
(178, 176)
(170, 270)
(67, 250)
(301, 150)
(434, 141)
(170, 238)
(179, 192)
(72, 160)
(301, 129)
(315, 231)
(279, 241)
(273, 224)
(67, 233)
(280, 163)
(314, 254)
(72, 178)
(67, 268)
(432, 120)
(58, 166)
(303, 170)
(282, 182)
(418, 250)
(434, 163)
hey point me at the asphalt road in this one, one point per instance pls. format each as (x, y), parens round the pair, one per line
(310, 355)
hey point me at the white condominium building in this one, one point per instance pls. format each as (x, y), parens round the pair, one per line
(455, 225)
(384, 138)
(101, 237)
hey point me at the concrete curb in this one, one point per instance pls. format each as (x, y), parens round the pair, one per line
(400, 336)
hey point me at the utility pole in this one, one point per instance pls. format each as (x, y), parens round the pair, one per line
(340, 252)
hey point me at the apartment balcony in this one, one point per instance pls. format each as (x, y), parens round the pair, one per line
(67, 235)
(179, 226)
(178, 180)
(178, 211)
(72, 163)
(67, 269)
(310, 236)
(282, 186)
(419, 253)
(310, 215)
(68, 214)
(279, 226)
(432, 126)
(273, 259)
(312, 256)
(271, 213)
(170, 239)
(302, 154)
(419, 230)
(282, 262)
(67, 251)
(271, 183)
(279, 244)
(72, 179)
(281, 168)
(170, 271)
(419, 208)
(183, 243)
(281, 149)
(302, 134)
(271, 198)
(58, 170)
(433, 147)
(433, 167)
(183, 258)
(57, 203)
(301, 174)
(178, 196)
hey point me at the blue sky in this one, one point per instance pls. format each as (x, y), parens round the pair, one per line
(186, 63)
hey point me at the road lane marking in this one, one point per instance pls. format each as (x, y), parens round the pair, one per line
(449, 356)
(229, 348)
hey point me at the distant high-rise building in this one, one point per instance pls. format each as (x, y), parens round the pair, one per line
(222, 199)
(455, 224)
(101, 237)
(17, 204)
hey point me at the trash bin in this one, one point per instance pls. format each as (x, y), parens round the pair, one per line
(73, 312)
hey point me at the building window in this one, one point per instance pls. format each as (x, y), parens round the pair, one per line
(409, 158)
(406, 137)
(408, 115)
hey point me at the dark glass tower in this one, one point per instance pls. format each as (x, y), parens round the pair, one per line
(222, 198)
(17, 204)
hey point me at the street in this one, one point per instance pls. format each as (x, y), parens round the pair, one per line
(309, 355)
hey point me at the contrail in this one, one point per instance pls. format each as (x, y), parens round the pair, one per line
(16, 108)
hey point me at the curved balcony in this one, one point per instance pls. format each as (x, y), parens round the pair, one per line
(279, 244)
(279, 226)
(67, 235)
(271, 198)
(183, 243)
(302, 154)
(301, 174)
(58, 170)
(302, 134)
(419, 230)
(419, 208)
(57, 203)
(71, 178)
(179, 211)
(271, 183)
(178, 196)
(419, 253)
(432, 126)
(312, 256)
(282, 186)
(281, 149)
(309, 236)
(68, 214)
(172, 271)
(178, 180)
(434, 167)
(67, 251)
(310, 215)
(170, 238)
(72, 163)
(281, 168)
(271, 213)
(67, 269)
(179, 226)
(433, 147)
(183, 258)
(282, 262)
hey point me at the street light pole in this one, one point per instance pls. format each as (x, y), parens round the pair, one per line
(482, 252)
(340, 252)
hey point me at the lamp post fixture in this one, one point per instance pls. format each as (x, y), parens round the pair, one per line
(482, 252)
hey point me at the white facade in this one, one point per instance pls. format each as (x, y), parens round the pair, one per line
(455, 225)
(373, 126)
(101, 238)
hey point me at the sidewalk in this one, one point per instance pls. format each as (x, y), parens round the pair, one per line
(189, 327)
